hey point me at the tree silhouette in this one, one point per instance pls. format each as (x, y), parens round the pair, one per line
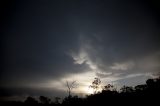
(150, 82)
(139, 88)
(70, 87)
(108, 87)
(128, 89)
(72, 100)
(95, 84)
(44, 100)
(57, 99)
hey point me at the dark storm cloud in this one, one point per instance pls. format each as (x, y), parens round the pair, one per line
(45, 40)
(120, 37)
(37, 41)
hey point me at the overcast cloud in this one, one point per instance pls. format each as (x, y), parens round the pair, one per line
(46, 42)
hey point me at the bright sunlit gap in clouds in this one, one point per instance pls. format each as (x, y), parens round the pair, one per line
(83, 82)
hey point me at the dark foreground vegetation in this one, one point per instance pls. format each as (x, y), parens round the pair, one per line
(146, 93)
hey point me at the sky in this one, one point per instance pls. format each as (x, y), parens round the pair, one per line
(45, 43)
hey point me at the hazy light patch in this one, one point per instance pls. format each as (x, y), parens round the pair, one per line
(111, 79)
(82, 57)
(79, 58)
(51, 84)
(92, 65)
(135, 75)
(83, 80)
(122, 66)
(103, 74)
(150, 63)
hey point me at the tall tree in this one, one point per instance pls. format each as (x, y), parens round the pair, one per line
(70, 87)
(95, 84)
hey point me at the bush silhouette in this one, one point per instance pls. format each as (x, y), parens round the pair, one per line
(31, 100)
(44, 100)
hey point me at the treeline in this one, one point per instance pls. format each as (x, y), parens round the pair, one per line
(146, 93)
